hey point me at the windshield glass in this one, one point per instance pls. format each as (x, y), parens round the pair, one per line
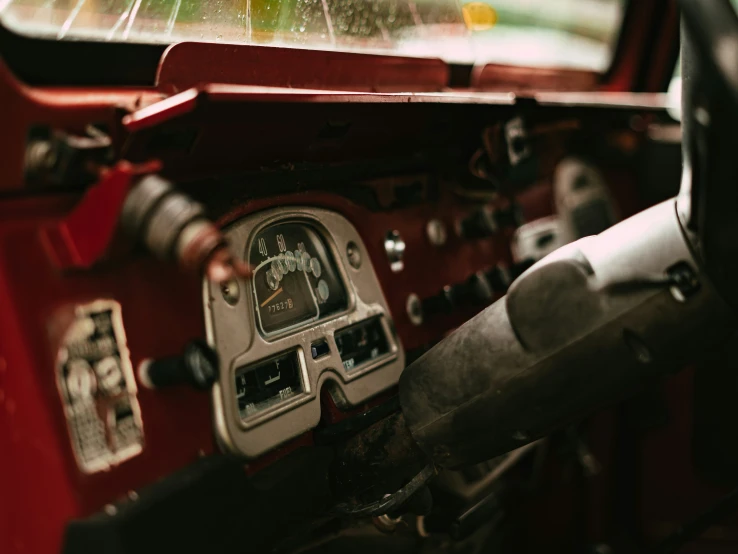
(545, 33)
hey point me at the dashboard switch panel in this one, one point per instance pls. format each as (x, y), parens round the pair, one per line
(308, 315)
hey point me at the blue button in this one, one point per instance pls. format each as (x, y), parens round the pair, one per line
(320, 349)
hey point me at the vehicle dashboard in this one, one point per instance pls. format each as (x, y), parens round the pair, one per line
(403, 239)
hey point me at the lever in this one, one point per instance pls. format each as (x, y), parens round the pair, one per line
(174, 226)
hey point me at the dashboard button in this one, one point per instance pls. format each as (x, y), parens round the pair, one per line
(394, 246)
(475, 291)
(486, 221)
(499, 278)
(479, 224)
(319, 349)
(442, 303)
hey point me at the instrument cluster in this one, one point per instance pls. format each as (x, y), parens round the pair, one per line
(313, 314)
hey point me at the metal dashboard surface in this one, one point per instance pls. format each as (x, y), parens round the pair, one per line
(232, 330)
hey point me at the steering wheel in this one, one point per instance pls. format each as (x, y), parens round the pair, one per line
(709, 196)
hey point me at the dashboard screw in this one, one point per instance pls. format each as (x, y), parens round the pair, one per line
(231, 291)
(354, 255)
(414, 309)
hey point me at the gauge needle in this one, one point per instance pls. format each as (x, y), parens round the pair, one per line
(272, 297)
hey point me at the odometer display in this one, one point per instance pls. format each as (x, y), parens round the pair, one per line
(295, 277)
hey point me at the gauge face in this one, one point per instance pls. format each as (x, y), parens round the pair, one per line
(267, 383)
(295, 277)
(361, 343)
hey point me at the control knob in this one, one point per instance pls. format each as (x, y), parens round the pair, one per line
(486, 221)
(197, 366)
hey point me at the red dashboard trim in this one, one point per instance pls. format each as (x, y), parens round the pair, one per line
(188, 64)
(504, 77)
(82, 238)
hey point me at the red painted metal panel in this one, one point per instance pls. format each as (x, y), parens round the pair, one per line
(70, 110)
(188, 64)
(82, 238)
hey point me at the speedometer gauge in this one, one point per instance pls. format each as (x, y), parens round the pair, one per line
(295, 277)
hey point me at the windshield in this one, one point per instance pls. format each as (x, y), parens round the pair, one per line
(545, 33)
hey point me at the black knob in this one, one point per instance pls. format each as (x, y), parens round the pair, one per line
(485, 221)
(521, 267)
(499, 278)
(479, 224)
(475, 291)
(512, 217)
(442, 303)
(197, 366)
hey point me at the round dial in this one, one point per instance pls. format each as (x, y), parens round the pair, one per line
(295, 277)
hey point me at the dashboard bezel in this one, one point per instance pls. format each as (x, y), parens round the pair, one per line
(232, 329)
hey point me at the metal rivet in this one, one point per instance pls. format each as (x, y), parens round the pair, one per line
(132, 496)
(414, 309)
(354, 255)
(231, 291)
(111, 510)
(436, 232)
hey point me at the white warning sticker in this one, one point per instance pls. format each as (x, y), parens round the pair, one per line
(98, 388)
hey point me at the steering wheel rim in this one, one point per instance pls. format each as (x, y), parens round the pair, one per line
(709, 196)
(713, 28)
